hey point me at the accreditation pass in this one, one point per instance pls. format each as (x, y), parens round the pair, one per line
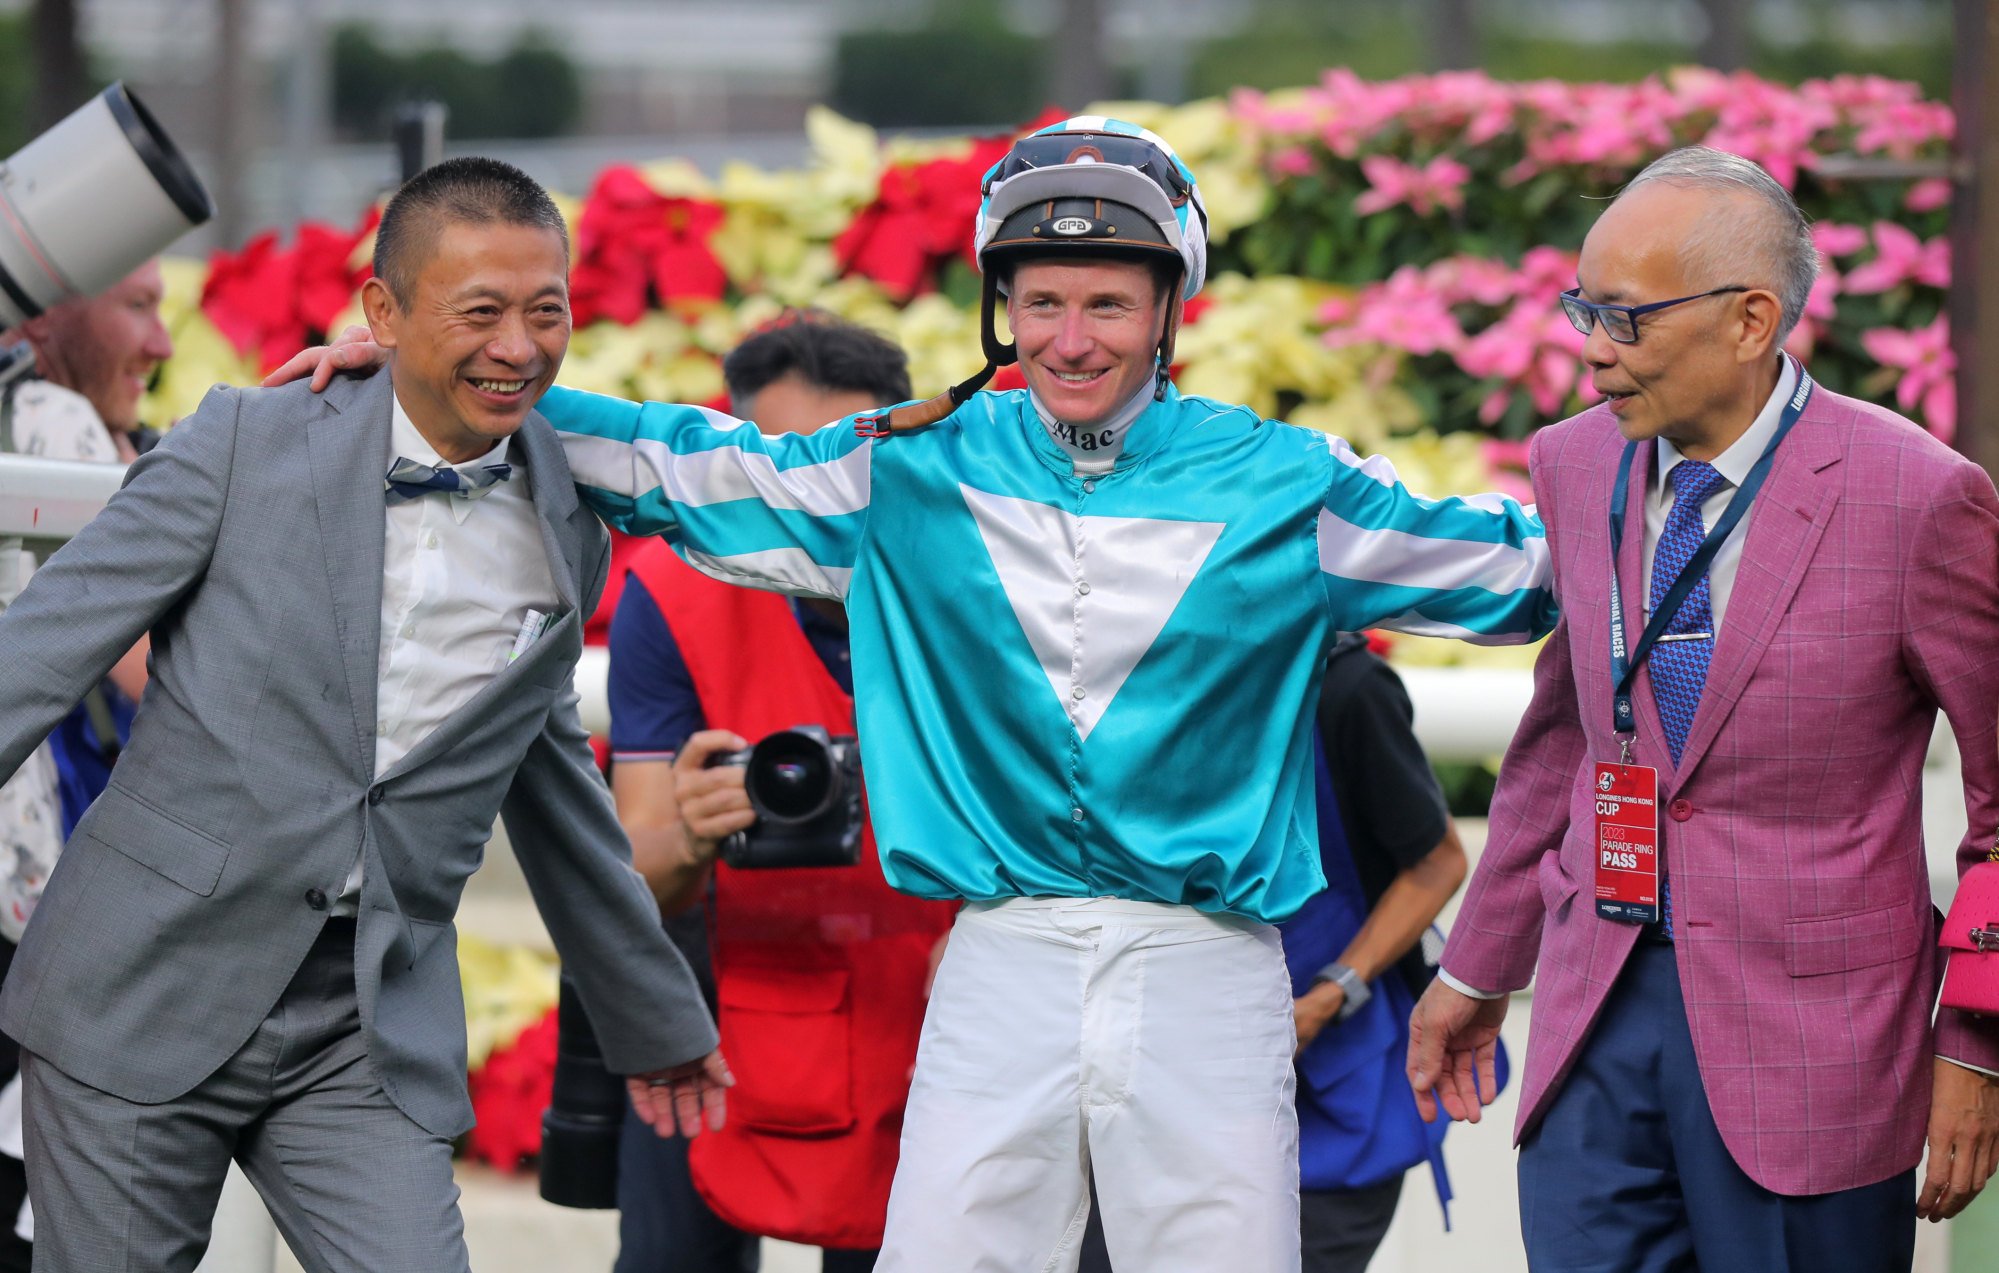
(1627, 843)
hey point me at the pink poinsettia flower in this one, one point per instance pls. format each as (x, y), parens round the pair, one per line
(1506, 460)
(1352, 111)
(1530, 350)
(1292, 161)
(1835, 239)
(1437, 184)
(1545, 273)
(1900, 257)
(1475, 279)
(1902, 130)
(1819, 306)
(1860, 92)
(1405, 313)
(1819, 311)
(1928, 367)
(1927, 195)
(1468, 104)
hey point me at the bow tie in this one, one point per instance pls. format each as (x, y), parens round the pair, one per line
(408, 480)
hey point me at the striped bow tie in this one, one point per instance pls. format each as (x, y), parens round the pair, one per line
(408, 480)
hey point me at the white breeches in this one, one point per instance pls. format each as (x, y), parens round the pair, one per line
(1151, 1043)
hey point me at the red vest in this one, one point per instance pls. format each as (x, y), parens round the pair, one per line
(819, 971)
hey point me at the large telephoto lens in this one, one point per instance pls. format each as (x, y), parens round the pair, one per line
(579, 1132)
(88, 202)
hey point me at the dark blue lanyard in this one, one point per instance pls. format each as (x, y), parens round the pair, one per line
(1623, 668)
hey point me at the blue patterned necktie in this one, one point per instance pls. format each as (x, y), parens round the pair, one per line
(408, 480)
(1679, 667)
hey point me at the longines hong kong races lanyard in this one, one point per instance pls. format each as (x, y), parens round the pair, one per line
(1622, 668)
(1627, 795)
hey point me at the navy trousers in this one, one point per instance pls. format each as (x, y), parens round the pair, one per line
(1628, 1174)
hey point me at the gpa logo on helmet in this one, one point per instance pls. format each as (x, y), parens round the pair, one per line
(1073, 226)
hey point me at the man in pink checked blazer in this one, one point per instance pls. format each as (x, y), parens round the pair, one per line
(1733, 1065)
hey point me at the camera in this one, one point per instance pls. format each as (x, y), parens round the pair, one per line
(805, 786)
(89, 201)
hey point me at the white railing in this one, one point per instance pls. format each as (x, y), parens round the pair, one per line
(47, 501)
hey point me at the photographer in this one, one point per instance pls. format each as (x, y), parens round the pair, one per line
(821, 970)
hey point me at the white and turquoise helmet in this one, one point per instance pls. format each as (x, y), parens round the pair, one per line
(1089, 186)
(1096, 186)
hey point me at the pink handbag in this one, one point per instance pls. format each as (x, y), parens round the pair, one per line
(1971, 935)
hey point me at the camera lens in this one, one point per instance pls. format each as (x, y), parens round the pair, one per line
(790, 777)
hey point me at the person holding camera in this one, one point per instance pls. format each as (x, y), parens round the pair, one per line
(821, 966)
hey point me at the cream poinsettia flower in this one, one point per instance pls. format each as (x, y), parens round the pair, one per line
(203, 356)
(677, 179)
(506, 988)
(846, 156)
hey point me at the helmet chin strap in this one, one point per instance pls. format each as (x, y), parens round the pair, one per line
(921, 415)
(1167, 335)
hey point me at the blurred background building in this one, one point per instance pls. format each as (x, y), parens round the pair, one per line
(286, 104)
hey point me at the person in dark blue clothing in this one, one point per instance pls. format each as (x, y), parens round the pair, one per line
(802, 370)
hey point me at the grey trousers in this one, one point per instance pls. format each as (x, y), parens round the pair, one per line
(352, 1183)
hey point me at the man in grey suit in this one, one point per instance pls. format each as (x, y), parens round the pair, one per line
(247, 950)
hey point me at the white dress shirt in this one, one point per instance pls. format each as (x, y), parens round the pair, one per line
(1733, 465)
(458, 579)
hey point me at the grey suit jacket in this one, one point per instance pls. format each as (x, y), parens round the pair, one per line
(250, 544)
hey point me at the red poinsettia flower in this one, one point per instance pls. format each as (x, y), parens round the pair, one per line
(631, 238)
(683, 265)
(922, 214)
(509, 1093)
(251, 298)
(277, 300)
(327, 275)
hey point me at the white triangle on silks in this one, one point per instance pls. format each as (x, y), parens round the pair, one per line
(1137, 568)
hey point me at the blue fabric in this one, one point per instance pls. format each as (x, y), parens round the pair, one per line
(82, 772)
(1679, 668)
(1627, 1173)
(408, 480)
(1357, 1119)
(981, 786)
(654, 709)
(664, 1225)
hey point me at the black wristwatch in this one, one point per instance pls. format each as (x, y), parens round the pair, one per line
(1355, 990)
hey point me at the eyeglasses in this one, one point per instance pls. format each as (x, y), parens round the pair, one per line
(1048, 150)
(1620, 322)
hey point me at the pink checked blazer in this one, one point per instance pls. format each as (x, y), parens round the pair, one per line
(1867, 597)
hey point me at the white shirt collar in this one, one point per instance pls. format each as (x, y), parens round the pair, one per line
(407, 442)
(1741, 456)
